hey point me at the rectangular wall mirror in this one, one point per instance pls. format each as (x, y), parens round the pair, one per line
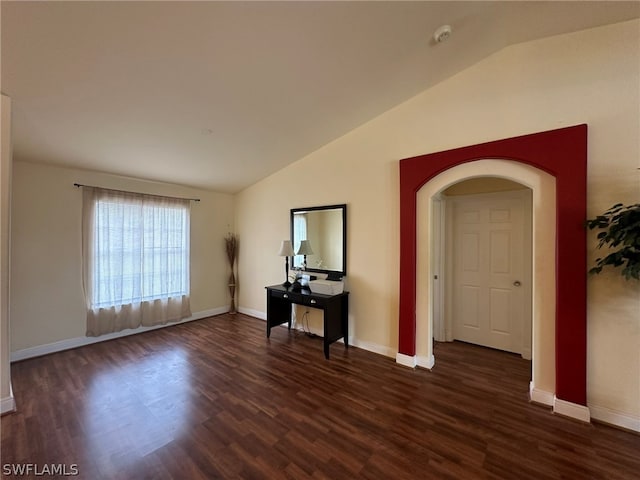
(321, 232)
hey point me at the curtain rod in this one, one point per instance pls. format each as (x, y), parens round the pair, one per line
(126, 191)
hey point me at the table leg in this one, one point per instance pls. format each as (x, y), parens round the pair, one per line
(344, 318)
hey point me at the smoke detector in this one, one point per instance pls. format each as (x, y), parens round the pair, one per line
(442, 33)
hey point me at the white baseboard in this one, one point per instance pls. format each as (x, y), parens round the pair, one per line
(425, 362)
(572, 410)
(372, 347)
(406, 360)
(8, 404)
(560, 407)
(69, 343)
(253, 313)
(595, 412)
(540, 396)
(613, 417)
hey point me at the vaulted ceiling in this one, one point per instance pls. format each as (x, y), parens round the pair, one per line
(219, 95)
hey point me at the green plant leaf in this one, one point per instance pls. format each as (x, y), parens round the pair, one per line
(621, 233)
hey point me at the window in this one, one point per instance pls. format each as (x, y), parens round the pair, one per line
(141, 252)
(136, 253)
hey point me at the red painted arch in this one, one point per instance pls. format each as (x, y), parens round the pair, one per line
(561, 153)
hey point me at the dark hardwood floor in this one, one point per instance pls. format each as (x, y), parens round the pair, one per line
(215, 399)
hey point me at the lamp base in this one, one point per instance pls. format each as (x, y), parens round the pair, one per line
(286, 284)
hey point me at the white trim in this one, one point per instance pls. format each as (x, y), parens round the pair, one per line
(572, 410)
(373, 347)
(253, 313)
(544, 276)
(540, 396)
(82, 341)
(613, 417)
(440, 273)
(406, 360)
(425, 362)
(595, 412)
(8, 404)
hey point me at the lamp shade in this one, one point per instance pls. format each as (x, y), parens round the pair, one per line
(305, 248)
(286, 250)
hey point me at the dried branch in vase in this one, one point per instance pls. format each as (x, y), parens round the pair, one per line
(231, 243)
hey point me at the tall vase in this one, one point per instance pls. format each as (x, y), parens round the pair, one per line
(232, 292)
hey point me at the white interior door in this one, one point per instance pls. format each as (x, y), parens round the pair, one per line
(490, 277)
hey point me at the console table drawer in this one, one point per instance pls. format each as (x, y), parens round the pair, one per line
(300, 298)
(316, 302)
(290, 296)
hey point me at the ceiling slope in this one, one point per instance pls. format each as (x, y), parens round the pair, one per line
(218, 95)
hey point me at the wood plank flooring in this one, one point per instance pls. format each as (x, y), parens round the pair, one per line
(215, 399)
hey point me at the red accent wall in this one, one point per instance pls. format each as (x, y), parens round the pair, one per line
(563, 154)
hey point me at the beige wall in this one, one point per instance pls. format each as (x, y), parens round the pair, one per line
(588, 77)
(482, 185)
(47, 303)
(6, 400)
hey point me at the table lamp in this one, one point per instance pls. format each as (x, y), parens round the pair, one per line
(305, 249)
(286, 251)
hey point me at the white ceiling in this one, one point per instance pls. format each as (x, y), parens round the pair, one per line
(218, 95)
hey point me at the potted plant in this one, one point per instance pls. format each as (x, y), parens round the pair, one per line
(620, 227)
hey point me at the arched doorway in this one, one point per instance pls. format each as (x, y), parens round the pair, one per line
(543, 187)
(562, 155)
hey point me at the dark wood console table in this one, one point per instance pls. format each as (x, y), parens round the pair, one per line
(335, 307)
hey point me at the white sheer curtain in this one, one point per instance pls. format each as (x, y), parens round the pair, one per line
(299, 233)
(135, 260)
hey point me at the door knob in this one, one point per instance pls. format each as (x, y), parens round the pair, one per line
(517, 283)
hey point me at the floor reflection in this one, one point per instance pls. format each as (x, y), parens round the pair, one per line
(137, 408)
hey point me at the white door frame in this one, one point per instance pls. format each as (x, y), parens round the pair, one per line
(442, 331)
(543, 186)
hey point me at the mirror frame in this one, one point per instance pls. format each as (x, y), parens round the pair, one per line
(343, 208)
